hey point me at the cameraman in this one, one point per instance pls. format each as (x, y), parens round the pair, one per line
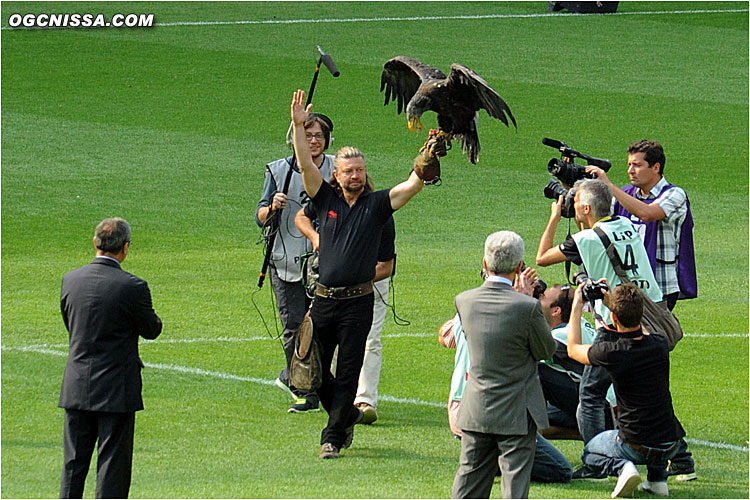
(592, 204)
(661, 213)
(638, 363)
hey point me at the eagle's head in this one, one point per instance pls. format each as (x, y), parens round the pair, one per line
(417, 105)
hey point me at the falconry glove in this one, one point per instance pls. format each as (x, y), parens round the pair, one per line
(427, 162)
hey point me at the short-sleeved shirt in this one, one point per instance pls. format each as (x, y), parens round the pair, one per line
(673, 201)
(585, 247)
(560, 361)
(639, 370)
(350, 236)
(387, 248)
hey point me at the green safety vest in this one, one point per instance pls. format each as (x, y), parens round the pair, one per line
(629, 246)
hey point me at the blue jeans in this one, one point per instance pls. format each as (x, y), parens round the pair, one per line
(683, 456)
(595, 382)
(560, 391)
(550, 466)
(609, 453)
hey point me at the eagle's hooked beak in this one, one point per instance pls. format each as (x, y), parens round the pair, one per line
(415, 125)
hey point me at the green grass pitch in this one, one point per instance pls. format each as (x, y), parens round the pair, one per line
(170, 127)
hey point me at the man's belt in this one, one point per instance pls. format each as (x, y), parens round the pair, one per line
(653, 454)
(343, 292)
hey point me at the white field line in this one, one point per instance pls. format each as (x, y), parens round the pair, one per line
(422, 18)
(439, 18)
(261, 338)
(383, 397)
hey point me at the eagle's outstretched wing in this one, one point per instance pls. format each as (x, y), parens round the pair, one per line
(486, 97)
(402, 76)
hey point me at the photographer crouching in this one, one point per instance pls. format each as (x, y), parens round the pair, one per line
(638, 364)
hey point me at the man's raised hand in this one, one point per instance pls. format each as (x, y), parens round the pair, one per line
(298, 110)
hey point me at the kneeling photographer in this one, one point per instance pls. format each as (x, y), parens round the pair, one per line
(638, 363)
(592, 200)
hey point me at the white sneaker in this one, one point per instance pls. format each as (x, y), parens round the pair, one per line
(627, 482)
(656, 487)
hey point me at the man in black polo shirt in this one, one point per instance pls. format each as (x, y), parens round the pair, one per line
(351, 222)
(638, 364)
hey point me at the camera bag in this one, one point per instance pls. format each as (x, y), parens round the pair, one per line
(310, 273)
(306, 368)
(657, 318)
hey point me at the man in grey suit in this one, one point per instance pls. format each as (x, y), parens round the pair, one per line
(503, 404)
(105, 309)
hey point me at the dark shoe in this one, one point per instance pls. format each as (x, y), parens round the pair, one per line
(284, 387)
(681, 472)
(329, 451)
(303, 404)
(350, 430)
(588, 472)
(370, 413)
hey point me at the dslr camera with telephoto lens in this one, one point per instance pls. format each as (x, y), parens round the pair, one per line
(554, 190)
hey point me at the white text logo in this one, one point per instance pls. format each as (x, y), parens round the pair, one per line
(80, 21)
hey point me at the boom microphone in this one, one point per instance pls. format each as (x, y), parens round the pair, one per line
(569, 152)
(326, 59)
(552, 143)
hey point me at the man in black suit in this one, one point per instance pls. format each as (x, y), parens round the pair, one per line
(105, 309)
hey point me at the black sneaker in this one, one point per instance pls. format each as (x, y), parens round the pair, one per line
(588, 472)
(682, 471)
(302, 405)
(350, 430)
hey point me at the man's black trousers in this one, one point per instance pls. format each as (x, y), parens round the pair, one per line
(115, 455)
(345, 323)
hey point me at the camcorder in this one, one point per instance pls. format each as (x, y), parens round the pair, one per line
(590, 290)
(567, 171)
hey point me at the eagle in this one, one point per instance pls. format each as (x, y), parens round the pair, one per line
(456, 99)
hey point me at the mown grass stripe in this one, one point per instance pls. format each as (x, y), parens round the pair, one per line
(255, 380)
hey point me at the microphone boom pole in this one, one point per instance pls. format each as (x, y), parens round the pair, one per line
(273, 222)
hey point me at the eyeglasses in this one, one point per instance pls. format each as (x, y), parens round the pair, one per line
(317, 137)
(566, 289)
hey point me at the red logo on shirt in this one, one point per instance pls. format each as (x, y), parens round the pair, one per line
(332, 214)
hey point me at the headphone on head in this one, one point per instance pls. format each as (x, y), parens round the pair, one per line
(329, 123)
(324, 119)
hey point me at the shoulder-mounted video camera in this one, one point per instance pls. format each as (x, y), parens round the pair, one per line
(567, 171)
